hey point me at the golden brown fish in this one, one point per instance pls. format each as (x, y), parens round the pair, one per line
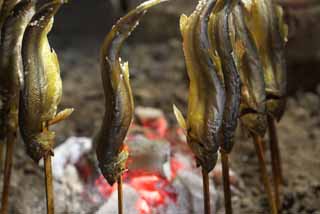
(42, 89)
(265, 22)
(206, 92)
(119, 105)
(220, 20)
(6, 6)
(253, 95)
(11, 65)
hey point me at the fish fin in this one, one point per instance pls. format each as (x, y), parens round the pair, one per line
(180, 118)
(183, 22)
(62, 115)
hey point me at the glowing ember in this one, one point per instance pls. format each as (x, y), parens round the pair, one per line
(103, 187)
(143, 207)
(153, 188)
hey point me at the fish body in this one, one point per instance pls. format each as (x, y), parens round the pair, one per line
(42, 89)
(253, 94)
(206, 93)
(221, 30)
(119, 104)
(6, 6)
(11, 68)
(265, 21)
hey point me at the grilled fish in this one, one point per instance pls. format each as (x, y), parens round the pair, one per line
(119, 105)
(206, 92)
(253, 95)
(42, 89)
(11, 65)
(221, 31)
(265, 22)
(6, 6)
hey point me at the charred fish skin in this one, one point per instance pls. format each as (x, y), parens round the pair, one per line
(206, 93)
(11, 65)
(253, 95)
(42, 89)
(266, 24)
(214, 67)
(278, 37)
(231, 75)
(6, 6)
(119, 104)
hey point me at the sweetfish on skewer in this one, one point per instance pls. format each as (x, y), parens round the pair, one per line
(220, 31)
(253, 94)
(265, 22)
(10, 73)
(42, 89)
(119, 106)
(206, 93)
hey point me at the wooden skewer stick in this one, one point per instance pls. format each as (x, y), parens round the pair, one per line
(12, 138)
(2, 145)
(120, 196)
(48, 178)
(49, 184)
(206, 191)
(226, 181)
(264, 174)
(276, 159)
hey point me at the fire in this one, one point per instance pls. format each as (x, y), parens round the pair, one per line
(154, 189)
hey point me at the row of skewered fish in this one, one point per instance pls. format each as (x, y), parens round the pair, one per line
(234, 52)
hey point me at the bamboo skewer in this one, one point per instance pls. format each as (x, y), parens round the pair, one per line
(12, 138)
(226, 181)
(120, 196)
(276, 160)
(49, 184)
(263, 169)
(206, 192)
(2, 147)
(48, 179)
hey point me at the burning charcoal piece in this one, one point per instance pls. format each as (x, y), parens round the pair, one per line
(111, 153)
(157, 152)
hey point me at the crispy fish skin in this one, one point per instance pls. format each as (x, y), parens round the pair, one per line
(42, 89)
(266, 25)
(253, 94)
(206, 93)
(11, 65)
(119, 104)
(6, 7)
(230, 73)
